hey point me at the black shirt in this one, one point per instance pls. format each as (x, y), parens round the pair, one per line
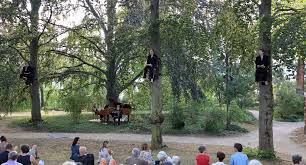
(4, 157)
(24, 160)
(152, 60)
(264, 61)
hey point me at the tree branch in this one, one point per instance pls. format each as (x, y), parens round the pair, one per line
(78, 58)
(125, 86)
(97, 16)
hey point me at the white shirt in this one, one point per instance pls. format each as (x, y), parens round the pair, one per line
(218, 163)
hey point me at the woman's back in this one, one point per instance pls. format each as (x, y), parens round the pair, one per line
(24, 159)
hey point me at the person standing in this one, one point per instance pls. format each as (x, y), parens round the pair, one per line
(239, 158)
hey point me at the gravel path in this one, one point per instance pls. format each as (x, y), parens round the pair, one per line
(282, 141)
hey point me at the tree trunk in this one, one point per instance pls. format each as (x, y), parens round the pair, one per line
(228, 121)
(42, 99)
(300, 85)
(34, 17)
(266, 91)
(156, 102)
(111, 84)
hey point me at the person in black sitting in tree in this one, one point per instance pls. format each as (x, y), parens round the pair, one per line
(27, 74)
(151, 67)
(262, 67)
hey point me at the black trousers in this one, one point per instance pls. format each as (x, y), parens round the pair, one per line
(150, 70)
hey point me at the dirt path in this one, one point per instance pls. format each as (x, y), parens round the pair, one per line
(282, 141)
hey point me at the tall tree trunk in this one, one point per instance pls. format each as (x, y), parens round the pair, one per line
(156, 102)
(266, 91)
(34, 17)
(228, 121)
(300, 85)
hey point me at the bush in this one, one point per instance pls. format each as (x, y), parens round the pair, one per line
(214, 118)
(240, 115)
(259, 154)
(289, 104)
(74, 104)
(177, 119)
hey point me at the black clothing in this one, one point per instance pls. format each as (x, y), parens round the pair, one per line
(86, 159)
(262, 72)
(4, 157)
(24, 160)
(153, 69)
(27, 74)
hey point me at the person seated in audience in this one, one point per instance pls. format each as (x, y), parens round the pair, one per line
(134, 159)
(220, 156)
(33, 151)
(176, 160)
(3, 143)
(163, 158)
(25, 158)
(84, 158)
(239, 158)
(146, 154)
(75, 147)
(255, 162)
(4, 155)
(297, 159)
(12, 159)
(111, 162)
(105, 152)
(202, 158)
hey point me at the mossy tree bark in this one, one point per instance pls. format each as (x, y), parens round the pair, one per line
(156, 103)
(34, 47)
(266, 91)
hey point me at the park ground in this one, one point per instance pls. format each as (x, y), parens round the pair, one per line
(54, 147)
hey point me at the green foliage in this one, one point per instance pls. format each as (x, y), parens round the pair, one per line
(289, 103)
(240, 115)
(74, 104)
(213, 119)
(259, 154)
(177, 119)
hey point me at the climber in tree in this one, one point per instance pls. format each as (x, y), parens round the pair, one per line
(152, 66)
(27, 74)
(262, 67)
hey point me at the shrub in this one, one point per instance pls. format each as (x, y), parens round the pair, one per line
(214, 118)
(240, 115)
(259, 154)
(74, 104)
(289, 103)
(177, 117)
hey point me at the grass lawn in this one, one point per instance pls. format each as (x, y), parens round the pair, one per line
(139, 123)
(56, 151)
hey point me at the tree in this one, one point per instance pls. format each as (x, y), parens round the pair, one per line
(156, 102)
(266, 91)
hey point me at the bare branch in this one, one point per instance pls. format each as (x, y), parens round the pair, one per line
(125, 86)
(45, 25)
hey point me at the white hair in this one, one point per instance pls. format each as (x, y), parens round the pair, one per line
(255, 162)
(176, 160)
(69, 163)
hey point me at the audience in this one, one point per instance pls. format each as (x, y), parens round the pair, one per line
(12, 159)
(75, 147)
(176, 160)
(4, 155)
(134, 159)
(255, 162)
(220, 156)
(202, 158)
(163, 158)
(25, 158)
(105, 152)
(3, 143)
(146, 154)
(239, 158)
(297, 159)
(84, 158)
